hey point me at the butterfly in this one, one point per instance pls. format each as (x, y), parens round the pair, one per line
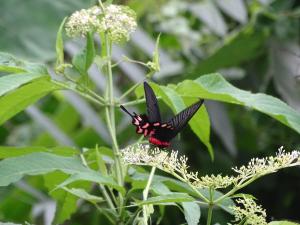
(150, 124)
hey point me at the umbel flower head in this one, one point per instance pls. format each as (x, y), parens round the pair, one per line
(248, 211)
(171, 162)
(117, 21)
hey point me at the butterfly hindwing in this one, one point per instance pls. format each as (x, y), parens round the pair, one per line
(152, 104)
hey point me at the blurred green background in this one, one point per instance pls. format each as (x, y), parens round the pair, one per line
(253, 44)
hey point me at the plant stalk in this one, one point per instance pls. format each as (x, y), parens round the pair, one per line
(210, 207)
(145, 195)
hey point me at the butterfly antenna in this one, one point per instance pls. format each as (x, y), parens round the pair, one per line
(125, 110)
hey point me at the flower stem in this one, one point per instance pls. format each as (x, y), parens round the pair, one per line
(210, 207)
(145, 195)
(129, 91)
(209, 214)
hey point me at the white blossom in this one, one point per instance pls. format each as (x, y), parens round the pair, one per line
(248, 211)
(117, 21)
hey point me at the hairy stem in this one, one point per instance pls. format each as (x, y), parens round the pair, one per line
(145, 195)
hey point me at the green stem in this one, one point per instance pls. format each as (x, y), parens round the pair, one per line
(209, 214)
(129, 91)
(110, 118)
(83, 94)
(210, 207)
(105, 194)
(107, 197)
(191, 186)
(236, 188)
(145, 195)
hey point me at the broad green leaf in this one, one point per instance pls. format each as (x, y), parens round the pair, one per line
(100, 161)
(200, 125)
(15, 100)
(92, 176)
(160, 188)
(238, 48)
(11, 64)
(282, 223)
(192, 212)
(11, 82)
(66, 203)
(84, 59)
(81, 193)
(8, 151)
(215, 87)
(168, 198)
(60, 44)
(13, 169)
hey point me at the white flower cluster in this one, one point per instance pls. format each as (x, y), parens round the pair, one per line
(249, 212)
(115, 20)
(119, 22)
(84, 21)
(172, 163)
(259, 167)
(215, 181)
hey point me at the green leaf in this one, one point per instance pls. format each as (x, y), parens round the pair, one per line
(90, 51)
(242, 46)
(282, 223)
(11, 82)
(100, 161)
(13, 100)
(13, 169)
(159, 188)
(92, 176)
(168, 198)
(84, 59)
(10, 64)
(60, 44)
(8, 152)
(65, 202)
(215, 87)
(81, 193)
(191, 212)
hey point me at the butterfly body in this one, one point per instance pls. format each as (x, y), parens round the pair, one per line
(150, 125)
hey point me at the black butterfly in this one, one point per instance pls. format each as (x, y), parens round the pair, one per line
(160, 133)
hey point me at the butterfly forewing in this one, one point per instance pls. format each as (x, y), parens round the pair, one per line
(182, 118)
(152, 104)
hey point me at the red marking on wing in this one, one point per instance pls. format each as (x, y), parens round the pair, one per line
(139, 130)
(146, 132)
(146, 125)
(161, 144)
(135, 122)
